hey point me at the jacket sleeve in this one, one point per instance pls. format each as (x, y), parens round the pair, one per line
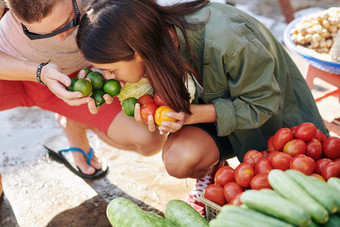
(254, 91)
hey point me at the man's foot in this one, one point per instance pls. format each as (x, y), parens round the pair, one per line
(81, 162)
(194, 196)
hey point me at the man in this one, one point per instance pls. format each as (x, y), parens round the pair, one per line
(37, 53)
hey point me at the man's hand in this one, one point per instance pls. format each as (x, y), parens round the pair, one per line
(57, 82)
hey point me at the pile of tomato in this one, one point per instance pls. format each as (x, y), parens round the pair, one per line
(304, 148)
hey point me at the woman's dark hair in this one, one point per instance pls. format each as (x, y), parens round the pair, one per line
(113, 30)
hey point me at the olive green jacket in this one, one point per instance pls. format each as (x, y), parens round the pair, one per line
(254, 85)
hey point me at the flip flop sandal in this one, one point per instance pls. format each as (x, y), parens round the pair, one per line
(65, 156)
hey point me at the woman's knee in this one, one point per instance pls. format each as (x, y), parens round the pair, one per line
(178, 161)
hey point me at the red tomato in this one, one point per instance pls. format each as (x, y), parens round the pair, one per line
(236, 200)
(252, 156)
(280, 160)
(305, 131)
(270, 155)
(314, 149)
(260, 181)
(321, 163)
(270, 144)
(231, 190)
(303, 164)
(147, 109)
(159, 101)
(144, 99)
(331, 147)
(281, 137)
(214, 193)
(295, 147)
(319, 136)
(336, 160)
(263, 166)
(332, 169)
(293, 129)
(313, 163)
(318, 176)
(265, 153)
(224, 175)
(244, 172)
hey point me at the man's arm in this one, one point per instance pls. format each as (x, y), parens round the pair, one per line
(2, 11)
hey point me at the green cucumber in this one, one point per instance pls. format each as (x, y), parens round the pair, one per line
(182, 214)
(226, 222)
(288, 188)
(124, 213)
(318, 193)
(313, 224)
(335, 183)
(330, 190)
(334, 221)
(160, 221)
(270, 192)
(276, 206)
(250, 217)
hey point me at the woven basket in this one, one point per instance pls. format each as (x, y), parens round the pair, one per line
(211, 208)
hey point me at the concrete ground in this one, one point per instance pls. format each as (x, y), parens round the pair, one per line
(42, 192)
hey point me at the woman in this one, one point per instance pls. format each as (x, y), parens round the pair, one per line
(247, 85)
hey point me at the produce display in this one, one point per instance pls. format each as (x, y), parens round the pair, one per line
(294, 201)
(303, 148)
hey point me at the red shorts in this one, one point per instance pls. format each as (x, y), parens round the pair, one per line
(27, 94)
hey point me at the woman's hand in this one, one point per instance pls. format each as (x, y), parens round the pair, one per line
(151, 123)
(173, 126)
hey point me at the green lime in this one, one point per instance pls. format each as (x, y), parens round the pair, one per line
(84, 86)
(87, 70)
(73, 81)
(112, 87)
(98, 97)
(128, 106)
(97, 80)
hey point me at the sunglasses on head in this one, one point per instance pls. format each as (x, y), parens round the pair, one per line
(74, 22)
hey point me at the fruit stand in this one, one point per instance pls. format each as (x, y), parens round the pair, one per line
(294, 182)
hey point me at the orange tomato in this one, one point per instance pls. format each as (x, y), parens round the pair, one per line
(160, 115)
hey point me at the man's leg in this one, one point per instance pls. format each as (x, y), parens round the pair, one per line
(77, 137)
(123, 133)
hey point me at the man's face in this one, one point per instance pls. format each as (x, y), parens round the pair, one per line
(62, 13)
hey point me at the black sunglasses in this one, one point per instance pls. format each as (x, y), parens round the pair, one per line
(74, 22)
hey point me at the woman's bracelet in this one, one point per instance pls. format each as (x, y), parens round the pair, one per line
(39, 71)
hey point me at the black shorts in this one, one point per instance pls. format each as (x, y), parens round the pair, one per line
(223, 143)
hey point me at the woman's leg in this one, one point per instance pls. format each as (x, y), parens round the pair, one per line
(126, 134)
(190, 153)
